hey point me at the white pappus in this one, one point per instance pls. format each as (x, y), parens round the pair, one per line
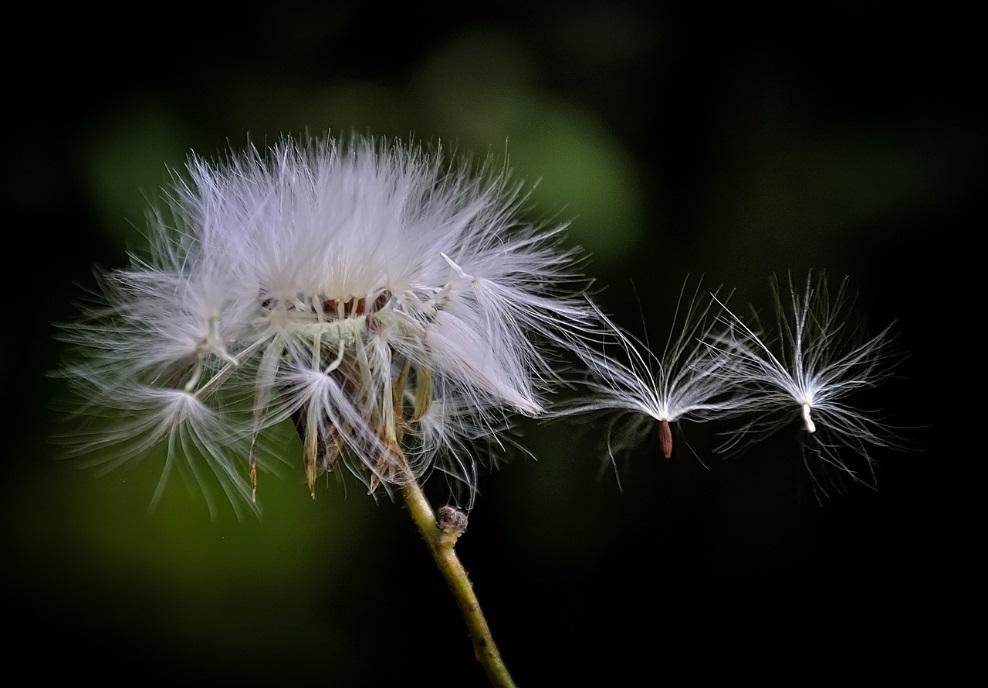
(391, 303)
(688, 380)
(808, 370)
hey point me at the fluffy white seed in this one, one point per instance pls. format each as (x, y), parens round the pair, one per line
(689, 379)
(810, 368)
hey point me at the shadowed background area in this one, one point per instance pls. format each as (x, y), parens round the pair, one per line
(677, 141)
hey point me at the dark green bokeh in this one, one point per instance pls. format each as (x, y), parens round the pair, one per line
(676, 143)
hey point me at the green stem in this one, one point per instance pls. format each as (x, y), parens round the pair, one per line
(441, 544)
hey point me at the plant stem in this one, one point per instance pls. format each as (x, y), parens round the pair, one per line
(441, 544)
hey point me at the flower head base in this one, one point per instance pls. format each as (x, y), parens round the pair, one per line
(815, 362)
(391, 304)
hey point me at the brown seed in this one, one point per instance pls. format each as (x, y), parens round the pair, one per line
(665, 438)
(381, 301)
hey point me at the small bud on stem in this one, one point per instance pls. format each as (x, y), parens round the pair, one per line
(452, 523)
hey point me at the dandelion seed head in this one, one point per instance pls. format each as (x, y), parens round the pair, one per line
(389, 301)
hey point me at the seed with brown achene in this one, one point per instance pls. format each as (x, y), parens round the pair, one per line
(665, 438)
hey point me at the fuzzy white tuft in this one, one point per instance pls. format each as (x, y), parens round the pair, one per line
(808, 370)
(688, 380)
(390, 303)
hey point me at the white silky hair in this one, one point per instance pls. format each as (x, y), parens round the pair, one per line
(807, 370)
(689, 379)
(388, 300)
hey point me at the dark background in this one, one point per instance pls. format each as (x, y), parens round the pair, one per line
(680, 140)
